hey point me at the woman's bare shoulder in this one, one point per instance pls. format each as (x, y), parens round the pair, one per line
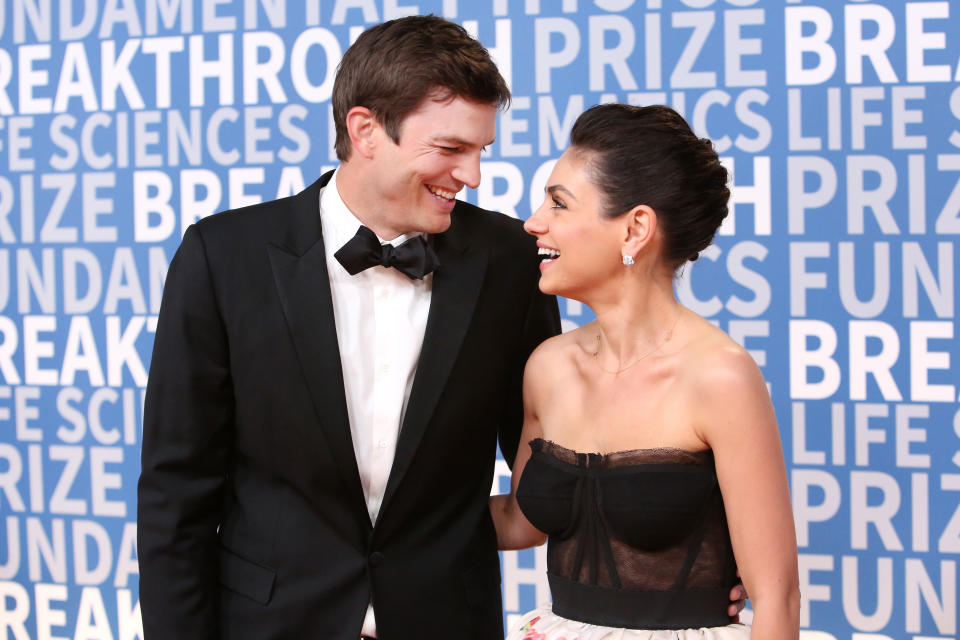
(731, 394)
(560, 350)
(716, 359)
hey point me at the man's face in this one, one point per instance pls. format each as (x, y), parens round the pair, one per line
(415, 180)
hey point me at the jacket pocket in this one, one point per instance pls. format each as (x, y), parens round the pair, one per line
(246, 577)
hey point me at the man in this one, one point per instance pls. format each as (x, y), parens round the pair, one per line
(317, 442)
(319, 433)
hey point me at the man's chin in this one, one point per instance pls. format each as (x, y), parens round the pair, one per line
(439, 224)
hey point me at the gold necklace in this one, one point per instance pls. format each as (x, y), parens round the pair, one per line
(665, 340)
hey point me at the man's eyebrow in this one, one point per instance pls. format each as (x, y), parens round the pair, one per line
(559, 187)
(454, 141)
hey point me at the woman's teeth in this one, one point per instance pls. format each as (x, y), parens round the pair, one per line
(547, 254)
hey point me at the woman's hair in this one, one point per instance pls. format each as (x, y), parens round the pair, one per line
(393, 67)
(649, 155)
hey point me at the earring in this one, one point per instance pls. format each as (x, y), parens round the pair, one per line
(627, 260)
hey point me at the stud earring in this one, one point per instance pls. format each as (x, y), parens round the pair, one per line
(628, 261)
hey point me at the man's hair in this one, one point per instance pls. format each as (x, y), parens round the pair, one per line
(395, 66)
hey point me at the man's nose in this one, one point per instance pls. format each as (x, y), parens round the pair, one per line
(467, 170)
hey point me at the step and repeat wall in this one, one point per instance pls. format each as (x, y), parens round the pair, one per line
(123, 122)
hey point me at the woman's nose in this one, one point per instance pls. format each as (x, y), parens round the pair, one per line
(535, 225)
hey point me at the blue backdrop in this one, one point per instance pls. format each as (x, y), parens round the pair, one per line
(122, 122)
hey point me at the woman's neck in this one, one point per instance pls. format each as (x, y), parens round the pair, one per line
(640, 321)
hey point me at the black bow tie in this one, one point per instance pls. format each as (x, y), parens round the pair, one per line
(413, 258)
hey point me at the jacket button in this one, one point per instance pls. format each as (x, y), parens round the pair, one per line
(376, 558)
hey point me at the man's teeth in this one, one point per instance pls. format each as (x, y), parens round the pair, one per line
(548, 254)
(437, 191)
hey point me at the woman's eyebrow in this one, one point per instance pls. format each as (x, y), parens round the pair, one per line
(559, 187)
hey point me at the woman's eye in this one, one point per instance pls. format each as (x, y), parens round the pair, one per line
(557, 204)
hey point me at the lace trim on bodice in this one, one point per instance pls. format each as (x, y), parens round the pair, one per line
(628, 457)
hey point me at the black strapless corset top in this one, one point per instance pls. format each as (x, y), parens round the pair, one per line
(637, 539)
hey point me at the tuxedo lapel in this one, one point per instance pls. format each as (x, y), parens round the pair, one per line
(304, 288)
(456, 286)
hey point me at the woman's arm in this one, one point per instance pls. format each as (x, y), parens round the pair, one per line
(736, 419)
(514, 531)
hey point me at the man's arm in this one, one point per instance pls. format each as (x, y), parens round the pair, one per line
(188, 416)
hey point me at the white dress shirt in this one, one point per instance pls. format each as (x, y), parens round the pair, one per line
(381, 316)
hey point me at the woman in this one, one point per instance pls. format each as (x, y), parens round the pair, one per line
(635, 424)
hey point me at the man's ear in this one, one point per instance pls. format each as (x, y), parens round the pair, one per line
(362, 127)
(640, 226)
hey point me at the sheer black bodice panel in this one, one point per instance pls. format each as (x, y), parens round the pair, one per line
(638, 539)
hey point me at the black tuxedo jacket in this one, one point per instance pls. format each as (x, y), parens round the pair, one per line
(251, 517)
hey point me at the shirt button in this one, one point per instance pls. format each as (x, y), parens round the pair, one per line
(383, 444)
(384, 368)
(383, 294)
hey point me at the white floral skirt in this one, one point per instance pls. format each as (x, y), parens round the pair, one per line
(543, 624)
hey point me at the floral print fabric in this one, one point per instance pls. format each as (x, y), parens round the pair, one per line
(543, 624)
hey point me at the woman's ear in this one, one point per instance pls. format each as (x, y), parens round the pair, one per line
(640, 226)
(362, 126)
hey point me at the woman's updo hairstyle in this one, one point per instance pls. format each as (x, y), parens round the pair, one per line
(649, 155)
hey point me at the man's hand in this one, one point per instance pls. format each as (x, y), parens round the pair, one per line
(738, 600)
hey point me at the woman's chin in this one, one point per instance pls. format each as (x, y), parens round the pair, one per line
(559, 283)
(550, 288)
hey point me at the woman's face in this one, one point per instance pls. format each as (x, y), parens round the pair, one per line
(579, 247)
